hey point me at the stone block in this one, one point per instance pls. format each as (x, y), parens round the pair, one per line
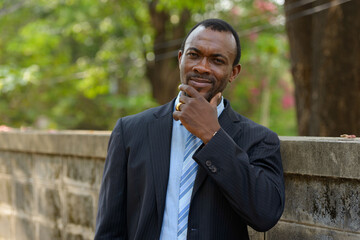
(22, 165)
(49, 233)
(5, 163)
(24, 197)
(47, 168)
(24, 229)
(255, 235)
(49, 204)
(293, 231)
(322, 201)
(83, 171)
(5, 191)
(71, 236)
(100, 170)
(80, 210)
(5, 227)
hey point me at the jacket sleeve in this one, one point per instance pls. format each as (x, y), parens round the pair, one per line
(111, 216)
(252, 180)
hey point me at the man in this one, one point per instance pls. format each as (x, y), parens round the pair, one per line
(193, 168)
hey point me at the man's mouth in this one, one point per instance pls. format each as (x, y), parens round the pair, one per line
(199, 82)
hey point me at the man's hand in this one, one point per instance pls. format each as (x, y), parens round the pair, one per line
(197, 114)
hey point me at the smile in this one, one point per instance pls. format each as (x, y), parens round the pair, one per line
(199, 82)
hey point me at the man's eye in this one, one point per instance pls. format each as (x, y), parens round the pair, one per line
(192, 54)
(219, 61)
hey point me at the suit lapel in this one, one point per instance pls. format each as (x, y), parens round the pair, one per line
(227, 122)
(160, 131)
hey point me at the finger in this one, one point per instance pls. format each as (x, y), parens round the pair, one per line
(176, 115)
(182, 93)
(183, 98)
(178, 106)
(190, 91)
(215, 99)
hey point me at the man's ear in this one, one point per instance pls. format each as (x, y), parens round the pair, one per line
(179, 57)
(235, 72)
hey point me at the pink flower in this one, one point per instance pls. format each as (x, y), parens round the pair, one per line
(265, 6)
(287, 101)
(236, 11)
(253, 36)
(254, 91)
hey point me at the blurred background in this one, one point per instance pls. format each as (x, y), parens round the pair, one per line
(82, 64)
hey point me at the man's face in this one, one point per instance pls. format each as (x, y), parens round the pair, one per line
(207, 61)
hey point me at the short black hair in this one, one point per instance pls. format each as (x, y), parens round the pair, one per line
(220, 26)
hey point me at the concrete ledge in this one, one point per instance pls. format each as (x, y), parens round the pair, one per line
(330, 157)
(75, 143)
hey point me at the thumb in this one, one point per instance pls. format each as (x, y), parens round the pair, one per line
(215, 99)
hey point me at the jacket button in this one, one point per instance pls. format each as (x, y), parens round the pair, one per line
(208, 163)
(213, 169)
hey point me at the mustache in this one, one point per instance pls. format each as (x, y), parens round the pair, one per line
(198, 75)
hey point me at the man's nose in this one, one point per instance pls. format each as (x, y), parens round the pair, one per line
(202, 66)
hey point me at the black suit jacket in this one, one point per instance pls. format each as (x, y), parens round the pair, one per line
(239, 180)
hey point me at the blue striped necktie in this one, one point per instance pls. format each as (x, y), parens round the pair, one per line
(188, 175)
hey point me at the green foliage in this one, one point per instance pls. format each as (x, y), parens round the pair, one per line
(81, 64)
(66, 61)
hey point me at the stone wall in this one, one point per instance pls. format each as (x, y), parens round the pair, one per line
(49, 184)
(322, 181)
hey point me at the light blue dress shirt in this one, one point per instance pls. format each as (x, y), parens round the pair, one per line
(170, 220)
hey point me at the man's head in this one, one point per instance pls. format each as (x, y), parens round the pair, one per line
(209, 56)
(220, 26)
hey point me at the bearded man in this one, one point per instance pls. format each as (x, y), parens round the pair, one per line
(193, 168)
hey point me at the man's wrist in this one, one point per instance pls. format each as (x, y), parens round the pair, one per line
(210, 135)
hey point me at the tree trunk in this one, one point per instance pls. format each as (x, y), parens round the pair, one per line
(324, 39)
(163, 71)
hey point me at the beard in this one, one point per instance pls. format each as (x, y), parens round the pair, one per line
(214, 89)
